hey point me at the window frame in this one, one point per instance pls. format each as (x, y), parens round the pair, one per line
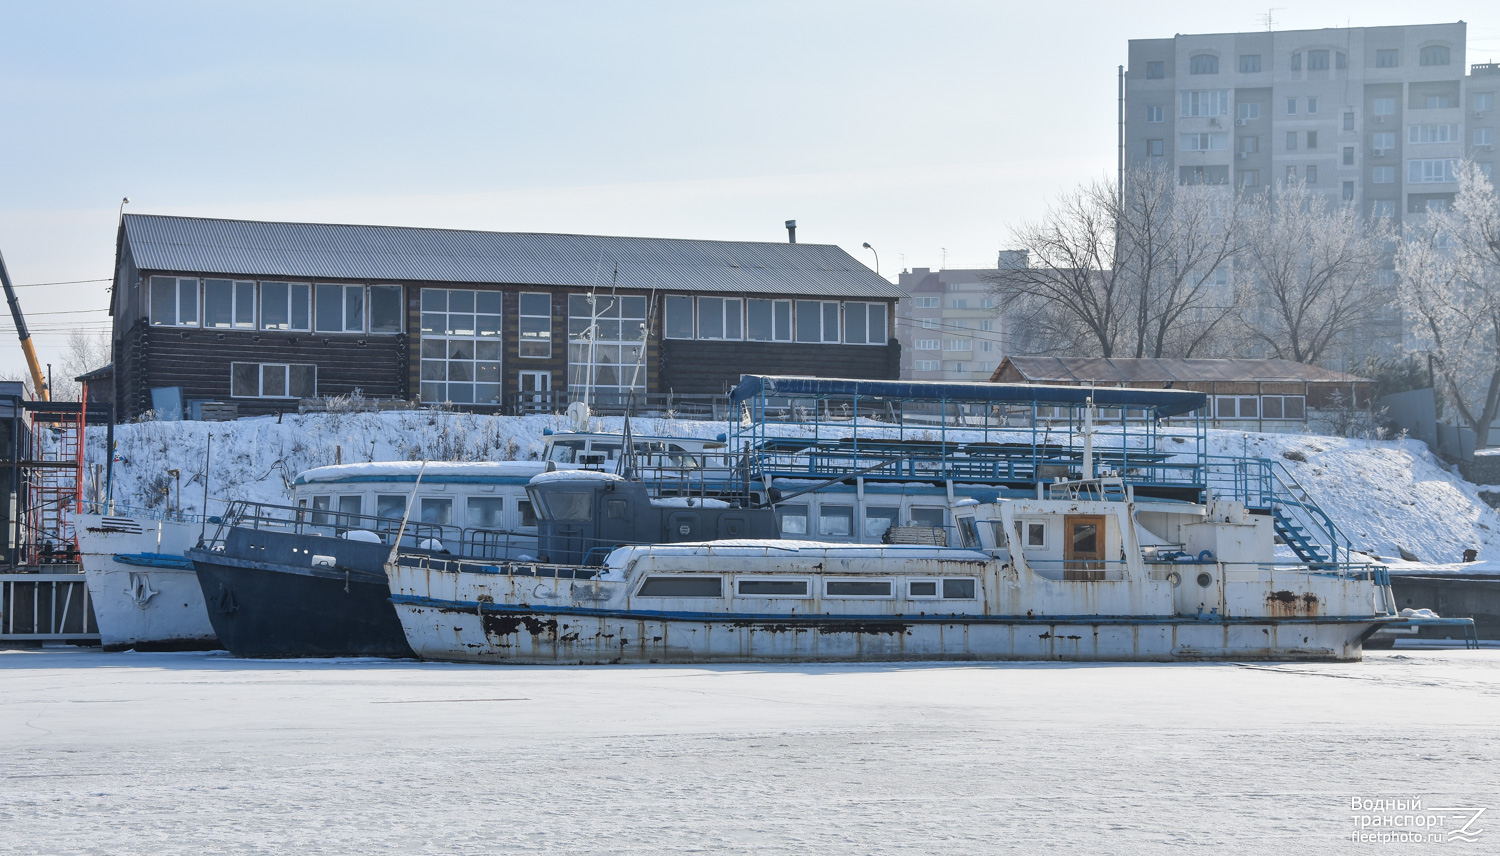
(1429, 55)
(1249, 60)
(292, 303)
(824, 309)
(320, 288)
(236, 286)
(781, 327)
(181, 286)
(260, 380)
(716, 310)
(537, 337)
(1203, 63)
(871, 308)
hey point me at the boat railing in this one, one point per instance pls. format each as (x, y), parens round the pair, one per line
(440, 538)
(546, 570)
(119, 509)
(1266, 486)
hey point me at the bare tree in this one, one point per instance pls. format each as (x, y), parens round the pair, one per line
(84, 352)
(1449, 269)
(1313, 262)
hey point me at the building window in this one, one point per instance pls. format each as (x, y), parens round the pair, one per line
(1249, 145)
(1249, 110)
(836, 521)
(1383, 208)
(1154, 148)
(1283, 406)
(1383, 141)
(1348, 156)
(386, 309)
(1312, 174)
(534, 325)
(720, 318)
(1203, 64)
(485, 512)
(679, 317)
(960, 303)
(1340, 61)
(1434, 55)
(768, 320)
(1312, 106)
(1249, 63)
(956, 345)
(228, 304)
(1348, 121)
(1291, 106)
(817, 321)
(1383, 106)
(1383, 175)
(1204, 102)
(929, 323)
(1155, 114)
(174, 301)
(864, 324)
(273, 380)
(1387, 58)
(339, 308)
(928, 302)
(1297, 61)
(1203, 142)
(1291, 174)
(929, 365)
(1432, 170)
(929, 345)
(1156, 70)
(607, 346)
(1484, 136)
(1312, 139)
(285, 305)
(1291, 140)
(1317, 60)
(1438, 102)
(1348, 191)
(1442, 133)
(1482, 101)
(1203, 175)
(1249, 178)
(987, 326)
(460, 350)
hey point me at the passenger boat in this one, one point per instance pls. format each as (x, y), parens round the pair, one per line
(1084, 571)
(144, 592)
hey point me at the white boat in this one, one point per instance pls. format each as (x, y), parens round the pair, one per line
(145, 594)
(1086, 573)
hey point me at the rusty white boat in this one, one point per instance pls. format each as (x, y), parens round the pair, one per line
(145, 594)
(1084, 571)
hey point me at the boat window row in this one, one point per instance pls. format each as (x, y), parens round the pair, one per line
(946, 588)
(479, 512)
(236, 304)
(836, 520)
(742, 319)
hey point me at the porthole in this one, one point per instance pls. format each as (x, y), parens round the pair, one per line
(1205, 580)
(1175, 579)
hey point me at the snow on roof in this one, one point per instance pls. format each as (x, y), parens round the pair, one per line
(785, 549)
(575, 475)
(407, 471)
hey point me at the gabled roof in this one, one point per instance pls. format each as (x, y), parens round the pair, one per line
(1152, 370)
(309, 251)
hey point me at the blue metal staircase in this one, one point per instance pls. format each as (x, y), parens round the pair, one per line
(1264, 485)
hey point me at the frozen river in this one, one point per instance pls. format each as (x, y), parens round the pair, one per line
(194, 753)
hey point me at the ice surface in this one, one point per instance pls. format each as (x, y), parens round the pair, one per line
(185, 754)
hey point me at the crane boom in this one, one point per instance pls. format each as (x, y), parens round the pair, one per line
(38, 382)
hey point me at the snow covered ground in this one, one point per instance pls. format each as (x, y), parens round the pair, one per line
(1387, 495)
(194, 753)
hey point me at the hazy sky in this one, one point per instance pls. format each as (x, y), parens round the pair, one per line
(925, 128)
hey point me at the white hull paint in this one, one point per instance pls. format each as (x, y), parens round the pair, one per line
(139, 606)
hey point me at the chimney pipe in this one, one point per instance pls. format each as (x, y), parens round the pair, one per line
(791, 231)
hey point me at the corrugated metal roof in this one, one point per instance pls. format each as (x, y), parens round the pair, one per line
(1151, 370)
(396, 253)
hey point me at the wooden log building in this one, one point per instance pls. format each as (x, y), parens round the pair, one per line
(263, 314)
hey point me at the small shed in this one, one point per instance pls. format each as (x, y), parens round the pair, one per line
(1241, 391)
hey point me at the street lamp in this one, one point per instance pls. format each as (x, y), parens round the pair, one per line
(877, 256)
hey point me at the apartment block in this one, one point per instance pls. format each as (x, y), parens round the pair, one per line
(949, 324)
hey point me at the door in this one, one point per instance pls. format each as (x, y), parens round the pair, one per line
(1083, 547)
(536, 391)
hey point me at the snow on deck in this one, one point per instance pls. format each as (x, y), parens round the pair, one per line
(184, 754)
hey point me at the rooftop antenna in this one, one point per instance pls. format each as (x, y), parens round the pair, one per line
(1269, 18)
(945, 257)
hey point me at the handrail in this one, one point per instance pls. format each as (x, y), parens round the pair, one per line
(470, 541)
(1264, 484)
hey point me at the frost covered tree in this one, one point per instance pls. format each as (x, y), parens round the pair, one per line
(1449, 272)
(1312, 264)
(1132, 273)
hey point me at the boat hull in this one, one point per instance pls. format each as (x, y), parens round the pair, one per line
(268, 609)
(482, 632)
(141, 605)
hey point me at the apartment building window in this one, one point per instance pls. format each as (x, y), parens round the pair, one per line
(1291, 106)
(1249, 63)
(956, 345)
(1340, 61)
(1383, 208)
(1383, 106)
(1317, 60)
(1438, 102)
(929, 365)
(928, 302)
(1203, 175)
(272, 380)
(1312, 106)
(1348, 191)
(768, 320)
(864, 324)
(1155, 114)
(929, 323)
(1297, 61)
(1312, 174)
(1291, 141)
(1249, 110)
(818, 321)
(1439, 133)
(987, 346)
(1203, 64)
(1348, 156)
(1249, 145)
(285, 305)
(1383, 141)
(339, 308)
(1204, 102)
(1156, 70)
(1482, 101)
(987, 326)
(720, 318)
(1312, 139)
(1432, 170)
(1433, 55)
(1348, 121)
(174, 301)
(986, 303)
(1249, 178)
(1387, 58)
(1154, 148)
(460, 346)
(1383, 175)
(228, 304)
(534, 325)
(1203, 142)
(1484, 136)
(959, 303)
(929, 345)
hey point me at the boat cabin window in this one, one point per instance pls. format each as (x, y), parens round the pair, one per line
(437, 510)
(390, 505)
(568, 505)
(998, 528)
(1031, 535)
(836, 521)
(958, 589)
(610, 451)
(878, 520)
(565, 451)
(615, 509)
(931, 517)
(792, 519)
(486, 512)
(968, 533)
(772, 588)
(681, 587)
(922, 588)
(527, 513)
(858, 588)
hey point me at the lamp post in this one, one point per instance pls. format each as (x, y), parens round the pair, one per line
(877, 256)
